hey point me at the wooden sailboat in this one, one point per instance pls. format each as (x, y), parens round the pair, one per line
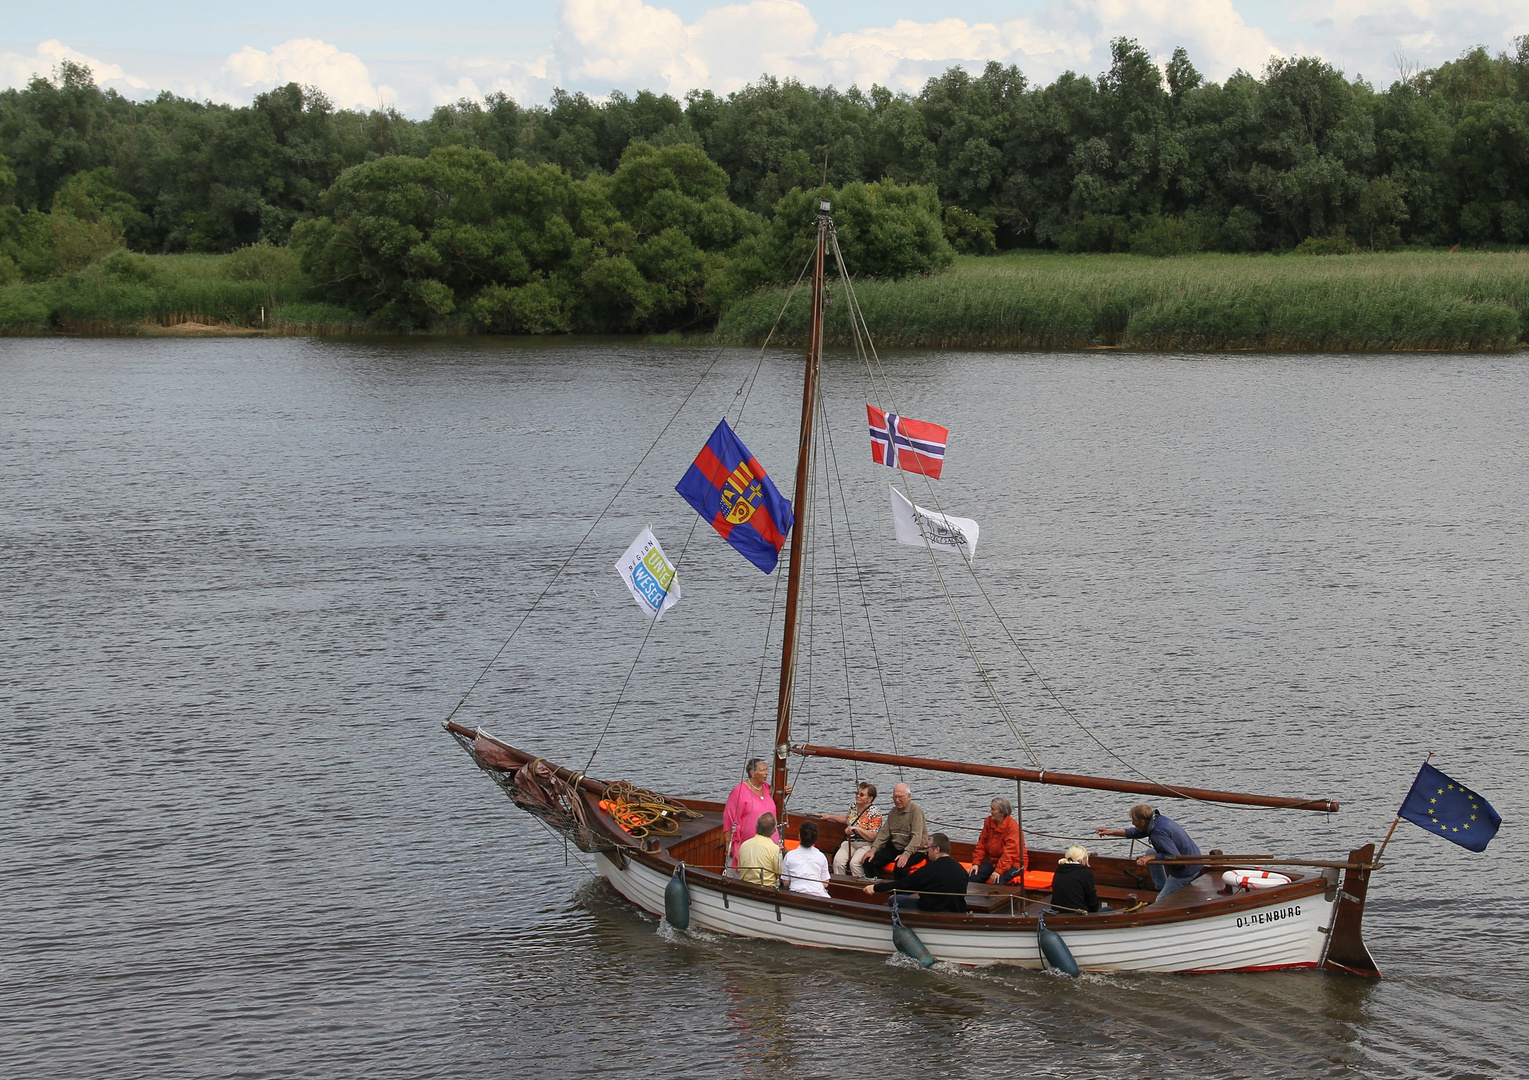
(643, 841)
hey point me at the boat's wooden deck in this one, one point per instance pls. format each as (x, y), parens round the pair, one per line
(1121, 883)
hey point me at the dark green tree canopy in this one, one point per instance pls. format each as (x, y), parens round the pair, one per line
(1138, 157)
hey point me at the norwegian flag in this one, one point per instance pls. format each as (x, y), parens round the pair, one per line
(902, 443)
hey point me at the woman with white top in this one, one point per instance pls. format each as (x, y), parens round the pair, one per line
(805, 869)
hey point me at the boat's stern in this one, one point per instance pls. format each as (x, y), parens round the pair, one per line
(1345, 939)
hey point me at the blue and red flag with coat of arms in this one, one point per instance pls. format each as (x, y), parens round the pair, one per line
(729, 488)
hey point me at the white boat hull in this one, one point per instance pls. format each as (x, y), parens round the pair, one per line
(1281, 934)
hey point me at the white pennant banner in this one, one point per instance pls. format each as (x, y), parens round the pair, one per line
(649, 575)
(917, 526)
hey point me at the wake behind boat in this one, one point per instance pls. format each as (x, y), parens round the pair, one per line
(668, 853)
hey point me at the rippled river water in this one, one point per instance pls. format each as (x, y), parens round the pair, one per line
(241, 583)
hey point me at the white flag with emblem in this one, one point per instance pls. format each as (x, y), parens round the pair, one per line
(649, 575)
(916, 526)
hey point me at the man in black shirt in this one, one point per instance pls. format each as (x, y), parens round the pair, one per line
(940, 883)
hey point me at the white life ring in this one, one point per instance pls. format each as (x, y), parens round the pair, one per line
(1248, 880)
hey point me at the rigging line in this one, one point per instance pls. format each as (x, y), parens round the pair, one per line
(748, 383)
(763, 663)
(971, 649)
(960, 623)
(589, 532)
(1041, 679)
(859, 315)
(852, 305)
(808, 534)
(1029, 664)
(833, 540)
(867, 350)
(849, 308)
(976, 580)
(746, 388)
(1018, 648)
(642, 645)
(859, 312)
(865, 602)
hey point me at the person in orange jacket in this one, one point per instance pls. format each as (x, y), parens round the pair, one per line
(1000, 854)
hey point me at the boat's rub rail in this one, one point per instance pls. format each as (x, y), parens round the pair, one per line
(1346, 949)
(848, 901)
(701, 853)
(1243, 862)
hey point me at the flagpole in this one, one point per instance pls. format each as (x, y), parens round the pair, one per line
(778, 782)
(1398, 820)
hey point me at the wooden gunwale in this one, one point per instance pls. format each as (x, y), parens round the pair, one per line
(868, 911)
(1245, 862)
(1074, 780)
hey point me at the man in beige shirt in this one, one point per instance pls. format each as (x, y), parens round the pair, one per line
(903, 836)
(759, 857)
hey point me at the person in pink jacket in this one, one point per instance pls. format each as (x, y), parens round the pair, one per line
(1000, 855)
(745, 804)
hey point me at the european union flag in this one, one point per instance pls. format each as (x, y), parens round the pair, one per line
(1449, 809)
(729, 488)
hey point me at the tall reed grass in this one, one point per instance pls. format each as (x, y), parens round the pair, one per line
(1351, 303)
(136, 294)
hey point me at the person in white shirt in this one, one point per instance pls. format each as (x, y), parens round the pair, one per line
(805, 869)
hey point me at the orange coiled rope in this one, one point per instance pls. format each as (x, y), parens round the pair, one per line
(642, 813)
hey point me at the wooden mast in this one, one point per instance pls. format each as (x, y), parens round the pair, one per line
(799, 528)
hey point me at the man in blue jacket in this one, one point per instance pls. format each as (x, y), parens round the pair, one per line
(1167, 837)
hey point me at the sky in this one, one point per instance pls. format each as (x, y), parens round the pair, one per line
(370, 53)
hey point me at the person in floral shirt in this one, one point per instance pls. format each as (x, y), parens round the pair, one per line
(860, 823)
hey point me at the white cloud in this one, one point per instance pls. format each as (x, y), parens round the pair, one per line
(464, 87)
(604, 44)
(18, 69)
(625, 43)
(1216, 36)
(1369, 35)
(601, 45)
(475, 78)
(629, 44)
(738, 43)
(311, 62)
(905, 54)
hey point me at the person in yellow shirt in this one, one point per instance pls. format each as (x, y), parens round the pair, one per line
(759, 857)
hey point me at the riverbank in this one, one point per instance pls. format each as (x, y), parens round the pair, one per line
(256, 291)
(1415, 300)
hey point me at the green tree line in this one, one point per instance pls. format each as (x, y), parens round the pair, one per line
(644, 210)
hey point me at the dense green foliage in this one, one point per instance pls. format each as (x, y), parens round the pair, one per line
(1134, 157)
(528, 248)
(1365, 302)
(884, 229)
(1400, 300)
(648, 213)
(125, 291)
